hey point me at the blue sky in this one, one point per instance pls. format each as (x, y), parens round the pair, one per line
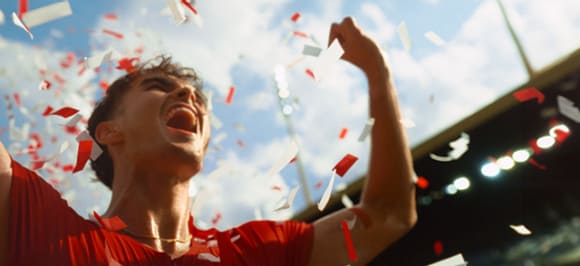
(240, 44)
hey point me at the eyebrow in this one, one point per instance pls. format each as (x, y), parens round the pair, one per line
(161, 80)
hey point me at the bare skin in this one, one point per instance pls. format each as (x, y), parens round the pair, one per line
(151, 195)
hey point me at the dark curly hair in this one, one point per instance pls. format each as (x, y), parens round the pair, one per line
(105, 108)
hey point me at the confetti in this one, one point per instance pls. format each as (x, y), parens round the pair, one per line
(113, 33)
(196, 17)
(521, 229)
(96, 151)
(288, 203)
(327, 58)
(74, 120)
(310, 73)
(21, 24)
(111, 16)
(345, 164)
(533, 162)
(366, 130)
(230, 95)
(362, 216)
(348, 239)
(215, 121)
(458, 146)
(46, 14)
(343, 133)
(209, 257)
(407, 123)
(83, 154)
(178, 13)
(44, 85)
(456, 260)
(422, 182)
(346, 201)
(404, 36)
(438, 247)
(216, 219)
(96, 60)
(326, 195)
(529, 94)
(300, 34)
(127, 64)
(434, 38)
(290, 152)
(567, 109)
(1, 17)
(311, 50)
(295, 17)
(64, 112)
(111, 224)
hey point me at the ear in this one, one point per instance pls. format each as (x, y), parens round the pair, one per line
(107, 132)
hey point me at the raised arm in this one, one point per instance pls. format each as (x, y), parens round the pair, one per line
(386, 211)
(5, 180)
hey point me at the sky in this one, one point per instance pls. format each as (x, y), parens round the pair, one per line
(240, 44)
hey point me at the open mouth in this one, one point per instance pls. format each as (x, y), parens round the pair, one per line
(181, 119)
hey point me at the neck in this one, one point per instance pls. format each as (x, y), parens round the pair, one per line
(155, 207)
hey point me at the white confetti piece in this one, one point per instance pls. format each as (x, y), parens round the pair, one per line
(99, 58)
(212, 243)
(235, 238)
(407, 123)
(567, 109)
(258, 214)
(367, 129)
(39, 16)
(209, 257)
(456, 260)
(1, 17)
(16, 133)
(198, 20)
(326, 195)
(177, 11)
(346, 201)
(16, 20)
(219, 138)
(63, 147)
(404, 36)
(459, 147)
(327, 58)
(351, 223)
(74, 120)
(521, 229)
(288, 203)
(434, 38)
(311, 50)
(290, 152)
(215, 121)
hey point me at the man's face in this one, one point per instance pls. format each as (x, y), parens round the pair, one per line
(165, 126)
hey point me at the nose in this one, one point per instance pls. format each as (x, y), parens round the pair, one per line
(186, 93)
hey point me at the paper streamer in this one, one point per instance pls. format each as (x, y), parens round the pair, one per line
(46, 14)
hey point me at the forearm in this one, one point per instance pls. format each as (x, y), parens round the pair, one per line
(389, 186)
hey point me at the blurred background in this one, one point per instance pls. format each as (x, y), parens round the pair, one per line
(456, 65)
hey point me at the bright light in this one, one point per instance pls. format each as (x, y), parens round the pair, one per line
(462, 183)
(561, 127)
(505, 163)
(490, 169)
(451, 189)
(521, 156)
(546, 142)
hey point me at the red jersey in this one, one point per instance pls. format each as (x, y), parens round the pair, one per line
(44, 230)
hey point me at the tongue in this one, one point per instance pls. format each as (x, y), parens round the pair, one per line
(182, 122)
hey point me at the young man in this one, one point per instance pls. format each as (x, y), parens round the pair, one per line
(153, 126)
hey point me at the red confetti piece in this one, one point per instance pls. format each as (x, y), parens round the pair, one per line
(68, 168)
(127, 64)
(293, 159)
(277, 188)
(241, 143)
(348, 239)
(534, 146)
(344, 165)
(83, 154)
(230, 95)
(189, 6)
(310, 73)
(343, 132)
(535, 163)
(111, 16)
(22, 7)
(362, 216)
(113, 33)
(438, 247)
(104, 85)
(295, 17)
(300, 34)
(216, 219)
(67, 62)
(318, 184)
(529, 94)
(561, 135)
(36, 165)
(17, 99)
(44, 85)
(65, 112)
(111, 224)
(58, 78)
(422, 182)
(47, 111)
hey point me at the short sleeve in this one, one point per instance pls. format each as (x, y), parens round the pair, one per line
(42, 227)
(272, 243)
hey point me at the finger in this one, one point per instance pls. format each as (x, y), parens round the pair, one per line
(334, 33)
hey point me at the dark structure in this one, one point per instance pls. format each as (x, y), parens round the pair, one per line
(476, 222)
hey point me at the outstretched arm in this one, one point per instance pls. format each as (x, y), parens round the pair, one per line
(5, 180)
(386, 210)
